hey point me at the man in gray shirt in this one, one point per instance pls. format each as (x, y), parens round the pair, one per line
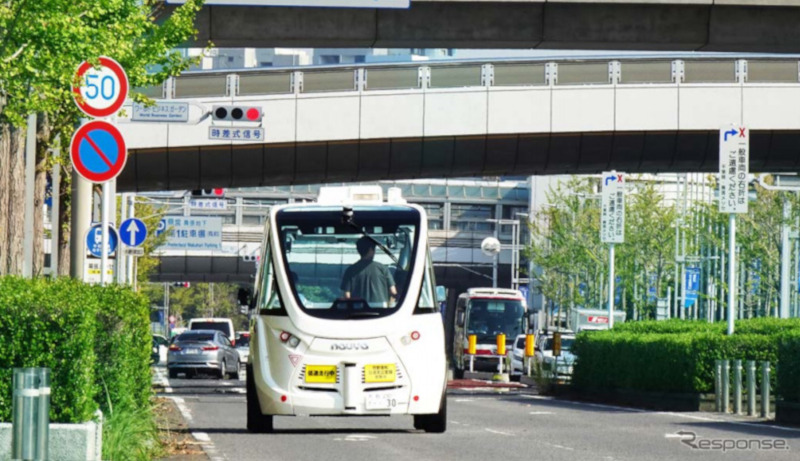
(368, 279)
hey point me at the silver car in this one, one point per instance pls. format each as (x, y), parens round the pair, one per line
(203, 350)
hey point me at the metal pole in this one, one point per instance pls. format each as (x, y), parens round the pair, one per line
(737, 386)
(104, 232)
(131, 261)
(731, 271)
(26, 393)
(122, 260)
(765, 389)
(718, 385)
(669, 302)
(43, 423)
(726, 386)
(611, 286)
(30, 178)
(751, 387)
(81, 205)
(494, 271)
(785, 260)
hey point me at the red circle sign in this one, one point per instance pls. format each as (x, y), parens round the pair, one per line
(98, 151)
(102, 91)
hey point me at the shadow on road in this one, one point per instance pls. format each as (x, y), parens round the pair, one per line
(351, 431)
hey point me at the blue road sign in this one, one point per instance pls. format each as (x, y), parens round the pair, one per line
(692, 284)
(133, 232)
(94, 240)
(162, 226)
(98, 151)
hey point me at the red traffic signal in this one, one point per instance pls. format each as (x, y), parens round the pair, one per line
(216, 192)
(236, 113)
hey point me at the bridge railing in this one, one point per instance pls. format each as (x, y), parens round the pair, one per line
(441, 75)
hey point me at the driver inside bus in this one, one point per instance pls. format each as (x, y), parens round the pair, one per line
(368, 279)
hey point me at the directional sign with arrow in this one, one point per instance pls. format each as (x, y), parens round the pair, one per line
(132, 232)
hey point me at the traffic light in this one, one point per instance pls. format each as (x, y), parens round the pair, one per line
(182, 284)
(217, 192)
(236, 113)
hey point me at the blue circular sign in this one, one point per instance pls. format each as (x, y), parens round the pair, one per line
(94, 240)
(132, 232)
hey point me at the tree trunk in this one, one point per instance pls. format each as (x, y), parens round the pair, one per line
(5, 172)
(16, 201)
(64, 211)
(40, 186)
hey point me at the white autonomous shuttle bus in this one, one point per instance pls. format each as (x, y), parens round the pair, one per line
(325, 341)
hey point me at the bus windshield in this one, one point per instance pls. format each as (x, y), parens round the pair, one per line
(337, 270)
(487, 318)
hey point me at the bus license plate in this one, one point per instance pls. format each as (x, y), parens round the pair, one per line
(325, 374)
(380, 373)
(379, 401)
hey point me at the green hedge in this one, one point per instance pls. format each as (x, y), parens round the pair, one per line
(789, 367)
(679, 355)
(95, 340)
(759, 326)
(665, 362)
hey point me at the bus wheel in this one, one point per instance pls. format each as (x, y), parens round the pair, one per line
(436, 423)
(256, 422)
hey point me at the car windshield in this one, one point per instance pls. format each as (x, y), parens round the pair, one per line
(566, 344)
(195, 337)
(355, 270)
(224, 327)
(488, 318)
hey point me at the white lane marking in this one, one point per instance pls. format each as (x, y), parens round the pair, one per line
(205, 441)
(454, 422)
(562, 447)
(355, 438)
(508, 434)
(465, 400)
(664, 413)
(185, 412)
(674, 436)
(719, 420)
(160, 379)
(541, 413)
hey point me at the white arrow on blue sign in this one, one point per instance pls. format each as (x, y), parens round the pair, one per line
(94, 240)
(133, 232)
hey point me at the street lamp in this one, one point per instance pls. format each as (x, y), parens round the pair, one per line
(513, 246)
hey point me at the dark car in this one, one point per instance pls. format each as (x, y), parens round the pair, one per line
(202, 351)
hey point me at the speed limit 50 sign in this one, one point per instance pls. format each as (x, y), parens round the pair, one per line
(101, 91)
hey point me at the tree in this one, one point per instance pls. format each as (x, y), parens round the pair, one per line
(573, 263)
(41, 44)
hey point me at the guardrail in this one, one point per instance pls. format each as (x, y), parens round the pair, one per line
(442, 75)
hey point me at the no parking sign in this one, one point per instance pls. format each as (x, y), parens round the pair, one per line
(98, 151)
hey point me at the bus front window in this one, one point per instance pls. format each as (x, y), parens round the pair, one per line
(489, 317)
(341, 271)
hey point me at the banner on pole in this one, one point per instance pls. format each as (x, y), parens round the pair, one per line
(612, 214)
(734, 169)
